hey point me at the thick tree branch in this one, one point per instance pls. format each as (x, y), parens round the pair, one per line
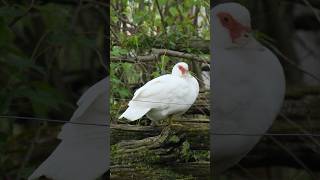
(16, 19)
(156, 53)
(154, 154)
(301, 106)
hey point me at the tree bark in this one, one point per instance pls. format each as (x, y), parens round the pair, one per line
(161, 157)
(301, 106)
(195, 130)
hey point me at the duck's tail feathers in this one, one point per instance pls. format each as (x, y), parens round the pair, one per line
(134, 113)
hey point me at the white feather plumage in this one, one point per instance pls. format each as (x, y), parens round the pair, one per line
(163, 96)
(83, 153)
(248, 89)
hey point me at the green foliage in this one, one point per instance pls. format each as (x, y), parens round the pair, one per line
(45, 53)
(174, 139)
(201, 155)
(118, 51)
(6, 35)
(137, 27)
(186, 153)
(119, 88)
(55, 17)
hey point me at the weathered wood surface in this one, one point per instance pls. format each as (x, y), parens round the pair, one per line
(301, 107)
(196, 131)
(159, 157)
(200, 170)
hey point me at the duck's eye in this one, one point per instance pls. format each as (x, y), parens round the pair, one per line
(226, 19)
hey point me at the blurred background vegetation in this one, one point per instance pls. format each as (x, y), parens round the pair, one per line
(51, 52)
(291, 29)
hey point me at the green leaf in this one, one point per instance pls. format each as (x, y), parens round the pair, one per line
(118, 51)
(155, 74)
(164, 62)
(174, 139)
(186, 151)
(55, 17)
(162, 2)
(22, 63)
(173, 11)
(84, 41)
(6, 35)
(124, 93)
(60, 37)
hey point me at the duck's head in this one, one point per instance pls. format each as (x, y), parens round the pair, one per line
(231, 25)
(180, 69)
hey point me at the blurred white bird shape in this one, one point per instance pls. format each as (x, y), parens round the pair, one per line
(83, 153)
(248, 86)
(205, 74)
(170, 94)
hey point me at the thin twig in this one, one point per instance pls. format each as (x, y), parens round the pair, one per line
(76, 15)
(30, 151)
(42, 38)
(162, 18)
(310, 52)
(18, 18)
(100, 57)
(160, 52)
(301, 163)
(300, 128)
(316, 14)
(115, 35)
(290, 62)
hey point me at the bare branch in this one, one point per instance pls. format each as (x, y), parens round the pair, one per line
(162, 18)
(316, 14)
(172, 53)
(16, 19)
(291, 62)
(156, 53)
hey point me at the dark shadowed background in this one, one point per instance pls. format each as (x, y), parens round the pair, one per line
(51, 52)
(291, 29)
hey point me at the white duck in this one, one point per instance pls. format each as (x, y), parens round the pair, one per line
(83, 153)
(164, 96)
(248, 86)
